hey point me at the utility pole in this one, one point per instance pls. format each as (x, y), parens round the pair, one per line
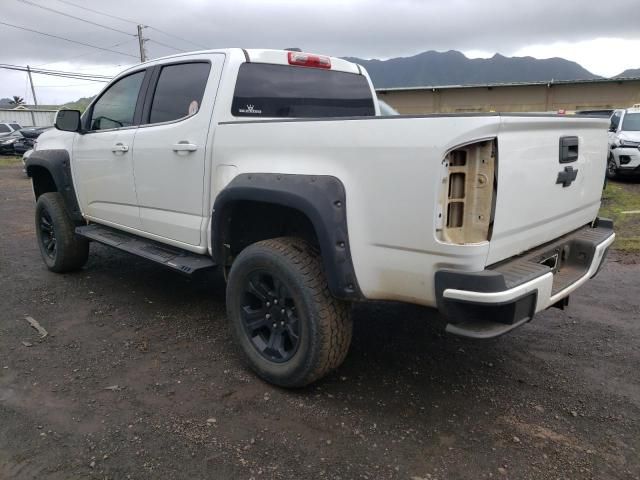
(33, 92)
(143, 53)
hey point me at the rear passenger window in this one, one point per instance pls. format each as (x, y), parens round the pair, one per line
(4, 128)
(15, 126)
(179, 91)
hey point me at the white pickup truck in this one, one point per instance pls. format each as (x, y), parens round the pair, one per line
(277, 167)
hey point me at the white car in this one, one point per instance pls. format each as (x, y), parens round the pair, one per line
(276, 167)
(624, 142)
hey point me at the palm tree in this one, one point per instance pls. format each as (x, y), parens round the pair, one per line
(17, 101)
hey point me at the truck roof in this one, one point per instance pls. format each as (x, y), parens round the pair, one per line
(256, 55)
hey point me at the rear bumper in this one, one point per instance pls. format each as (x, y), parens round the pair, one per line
(499, 299)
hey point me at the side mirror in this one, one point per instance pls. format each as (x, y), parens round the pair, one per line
(68, 121)
(613, 128)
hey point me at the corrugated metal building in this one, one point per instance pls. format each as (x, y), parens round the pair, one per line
(27, 117)
(515, 97)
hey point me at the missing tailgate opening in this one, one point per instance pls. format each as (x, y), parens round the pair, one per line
(455, 214)
(458, 158)
(466, 197)
(456, 185)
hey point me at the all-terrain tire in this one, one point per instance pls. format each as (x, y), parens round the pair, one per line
(324, 322)
(61, 249)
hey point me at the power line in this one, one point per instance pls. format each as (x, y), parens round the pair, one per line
(165, 45)
(131, 21)
(179, 38)
(62, 86)
(96, 11)
(27, 2)
(96, 78)
(61, 72)
(65, 39)
(87, 53)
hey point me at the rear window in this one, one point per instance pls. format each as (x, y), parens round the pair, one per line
(281, 91)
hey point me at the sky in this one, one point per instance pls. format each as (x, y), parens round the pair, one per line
(604, 37)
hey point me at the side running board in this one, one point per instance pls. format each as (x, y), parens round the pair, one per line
(182, 261)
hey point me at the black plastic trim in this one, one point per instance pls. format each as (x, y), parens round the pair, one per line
(320, 198)
(58, 164)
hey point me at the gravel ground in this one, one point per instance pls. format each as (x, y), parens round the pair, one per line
(138, 378)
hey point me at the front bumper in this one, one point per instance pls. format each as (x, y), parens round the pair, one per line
(499, 299)
(627, 159)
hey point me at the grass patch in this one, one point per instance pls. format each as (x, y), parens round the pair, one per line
(10, 161)
(616, 199)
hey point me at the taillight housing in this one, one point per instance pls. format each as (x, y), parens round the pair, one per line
(302, 59)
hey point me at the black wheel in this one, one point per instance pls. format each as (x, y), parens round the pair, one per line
(612, 169)
(62, 250)
(290, 327)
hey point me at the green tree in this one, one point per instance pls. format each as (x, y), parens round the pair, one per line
(15, 100)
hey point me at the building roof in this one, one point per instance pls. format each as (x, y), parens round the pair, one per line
(511, 84)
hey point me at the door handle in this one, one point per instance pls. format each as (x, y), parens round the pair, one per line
(120, 147)
(184, 146)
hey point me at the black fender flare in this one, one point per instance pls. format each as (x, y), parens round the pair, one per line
(321, 198)
(58, 164)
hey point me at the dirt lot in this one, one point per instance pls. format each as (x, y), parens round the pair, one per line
(558, 398)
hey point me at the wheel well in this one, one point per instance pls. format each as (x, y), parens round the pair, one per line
(42, 180)
(248, 222)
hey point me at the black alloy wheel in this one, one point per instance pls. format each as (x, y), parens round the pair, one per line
(47, 234)
(270, 318)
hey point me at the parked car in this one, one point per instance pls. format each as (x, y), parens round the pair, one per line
(624, 143)
(20, 141)
(25, 157)
(277, 168)
(7, 144)
(30, 136)
(7, 128)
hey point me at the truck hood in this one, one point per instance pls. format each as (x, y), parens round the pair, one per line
(629, 135)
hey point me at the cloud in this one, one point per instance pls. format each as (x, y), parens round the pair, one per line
(363, 28)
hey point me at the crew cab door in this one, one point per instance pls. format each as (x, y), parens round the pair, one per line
(103, 156)
(170, 161)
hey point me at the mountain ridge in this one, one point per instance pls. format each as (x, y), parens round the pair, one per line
(432, 68)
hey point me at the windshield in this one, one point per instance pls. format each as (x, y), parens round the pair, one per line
(265, 90)
(631, 122)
